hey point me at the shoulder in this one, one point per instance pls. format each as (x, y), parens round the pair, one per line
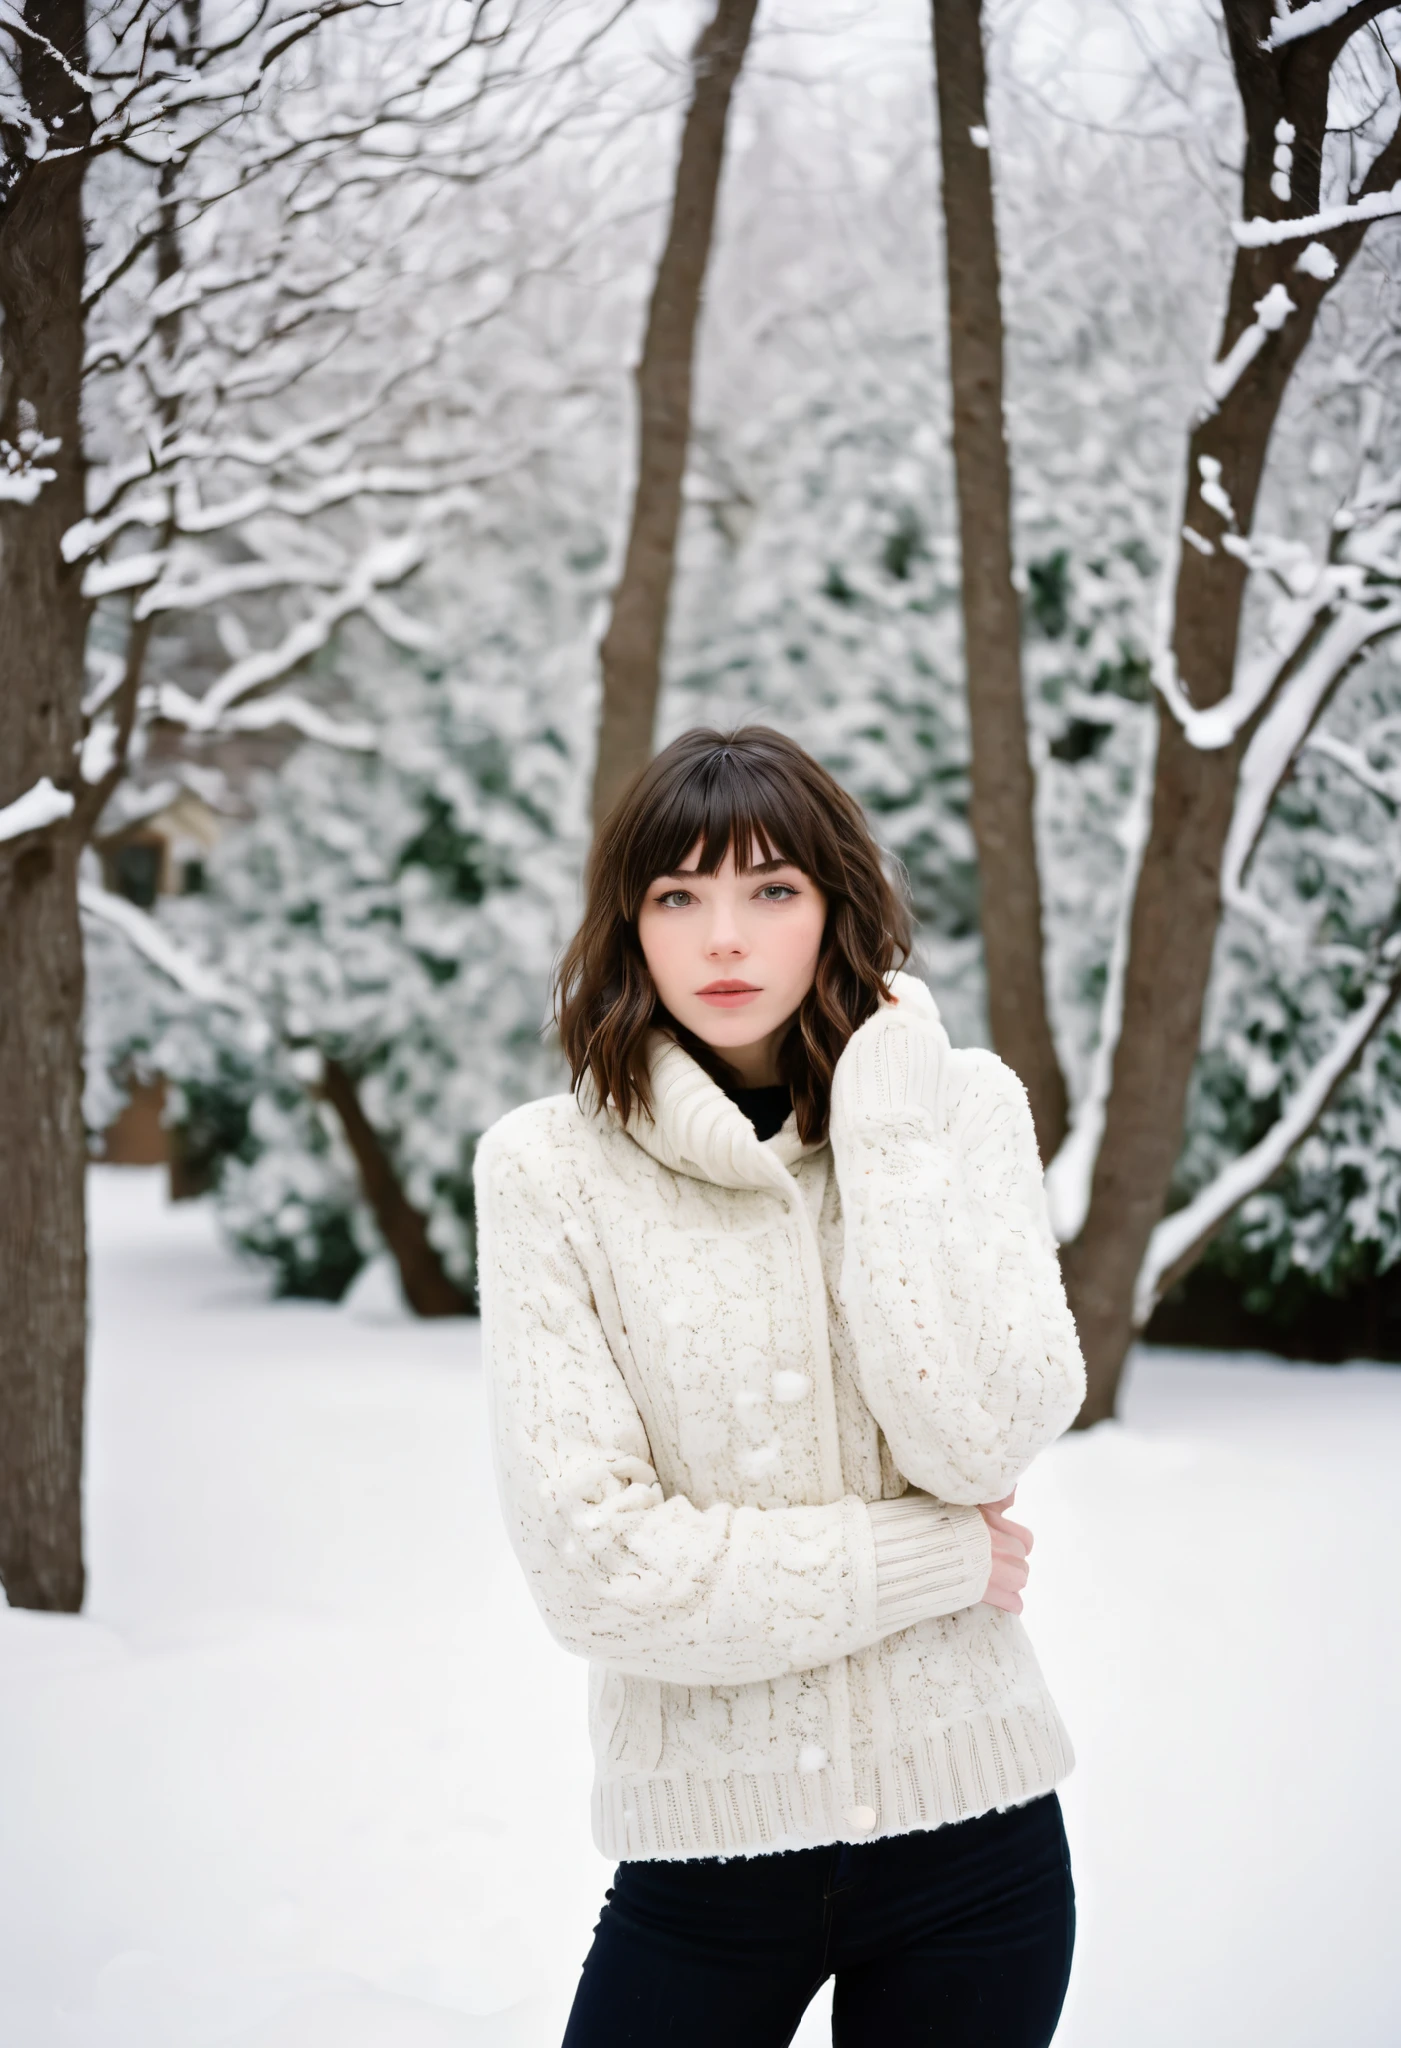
(538, 1142)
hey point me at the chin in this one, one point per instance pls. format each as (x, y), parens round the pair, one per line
(727, 1031)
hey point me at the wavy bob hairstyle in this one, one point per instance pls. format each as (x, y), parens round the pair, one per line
(757, 791)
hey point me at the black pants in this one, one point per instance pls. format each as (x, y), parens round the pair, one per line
(958, 1937)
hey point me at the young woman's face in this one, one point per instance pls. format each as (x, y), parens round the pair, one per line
(733, 954)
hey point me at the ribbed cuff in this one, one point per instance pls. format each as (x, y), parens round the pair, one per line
(930, 1559)
(894, 1060)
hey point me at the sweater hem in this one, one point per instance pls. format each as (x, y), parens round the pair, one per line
(989, 1762)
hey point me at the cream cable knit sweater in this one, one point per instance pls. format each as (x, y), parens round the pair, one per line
(745, 1400)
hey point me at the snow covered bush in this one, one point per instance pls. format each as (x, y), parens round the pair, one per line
(397, 911)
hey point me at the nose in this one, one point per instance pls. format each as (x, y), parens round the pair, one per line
(723, 939)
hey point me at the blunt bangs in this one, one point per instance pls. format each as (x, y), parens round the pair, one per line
(760, 793)
(724, 802)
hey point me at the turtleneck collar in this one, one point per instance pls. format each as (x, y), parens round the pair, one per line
(695, 1128)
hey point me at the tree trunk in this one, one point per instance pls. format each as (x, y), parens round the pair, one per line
(428, 1290)
(43, 1148)
(1177, 905)
(1003, 803)
(631, 651)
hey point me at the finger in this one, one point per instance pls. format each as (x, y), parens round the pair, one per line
(1013, 1531)
(1010, 1573)
(1017, 1529)
(1009, 1601)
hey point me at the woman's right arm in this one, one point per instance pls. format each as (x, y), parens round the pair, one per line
(656, 1586)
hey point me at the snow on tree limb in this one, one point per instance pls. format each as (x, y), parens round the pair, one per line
(173, 960)
(1271, 312)
(1314, 15)
(388, 560)
(1386, 786)
(1354, 626)
(1283, 731)
(1260, 233)
(265, 714)
(1179, 1238)
(39, 807)
(1071, 1171)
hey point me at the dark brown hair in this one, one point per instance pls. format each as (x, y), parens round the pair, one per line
(750, 789)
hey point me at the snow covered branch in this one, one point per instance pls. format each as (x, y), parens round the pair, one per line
(164, 953)
(1180, 1238)
(1281, 734)
(39, 807)
(1344, 16)
(265, 714)
(1271, 312)
(1071, 1172)
(1261, 234)
(1379, 782)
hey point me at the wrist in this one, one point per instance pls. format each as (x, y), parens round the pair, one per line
(931, 1558)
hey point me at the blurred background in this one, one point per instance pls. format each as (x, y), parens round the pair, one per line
(410, 415)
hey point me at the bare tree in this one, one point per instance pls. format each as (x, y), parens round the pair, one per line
(631, 650)
(1228, 729)
(201, 484)
(1282, 71)
(1002, 811)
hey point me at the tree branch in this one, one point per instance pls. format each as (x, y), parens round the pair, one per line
(427, 1287)
(1332, 21)
(171, 959)
(1180, 1239)
(94, 797)
(1284, 730)
(1354, 762)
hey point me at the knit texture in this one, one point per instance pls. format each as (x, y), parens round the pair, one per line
(930, 1559)
(718, 1370)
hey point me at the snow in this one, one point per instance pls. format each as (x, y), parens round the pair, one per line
(40, 806)
(165, 953)
(310, 1773)
(1186, 1227)
(1304, 21)
(1317, 260)
(1070, 1175)
(1271, 312)
(1286, 726)
(1259, 232)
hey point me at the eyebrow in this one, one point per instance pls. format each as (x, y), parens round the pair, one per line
(765, 867)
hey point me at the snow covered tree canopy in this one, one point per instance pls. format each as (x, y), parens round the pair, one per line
(392, 433)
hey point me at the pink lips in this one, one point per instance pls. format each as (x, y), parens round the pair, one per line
(728, 995)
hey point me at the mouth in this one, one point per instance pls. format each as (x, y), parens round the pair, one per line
(728, 995)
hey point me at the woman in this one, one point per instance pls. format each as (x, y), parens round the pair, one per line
(774, 1325)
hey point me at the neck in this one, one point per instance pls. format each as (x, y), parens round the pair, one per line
(757, 1064)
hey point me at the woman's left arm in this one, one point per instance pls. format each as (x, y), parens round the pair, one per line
(965, 1346)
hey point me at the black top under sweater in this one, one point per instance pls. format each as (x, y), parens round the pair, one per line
(766, 1108)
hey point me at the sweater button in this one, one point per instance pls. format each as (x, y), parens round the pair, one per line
(862, 1818)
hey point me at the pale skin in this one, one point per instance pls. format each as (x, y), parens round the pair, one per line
(732, 955)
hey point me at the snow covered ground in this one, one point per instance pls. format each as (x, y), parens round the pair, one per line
(310, 1774)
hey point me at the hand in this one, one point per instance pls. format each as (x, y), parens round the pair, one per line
(1011, 1545)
